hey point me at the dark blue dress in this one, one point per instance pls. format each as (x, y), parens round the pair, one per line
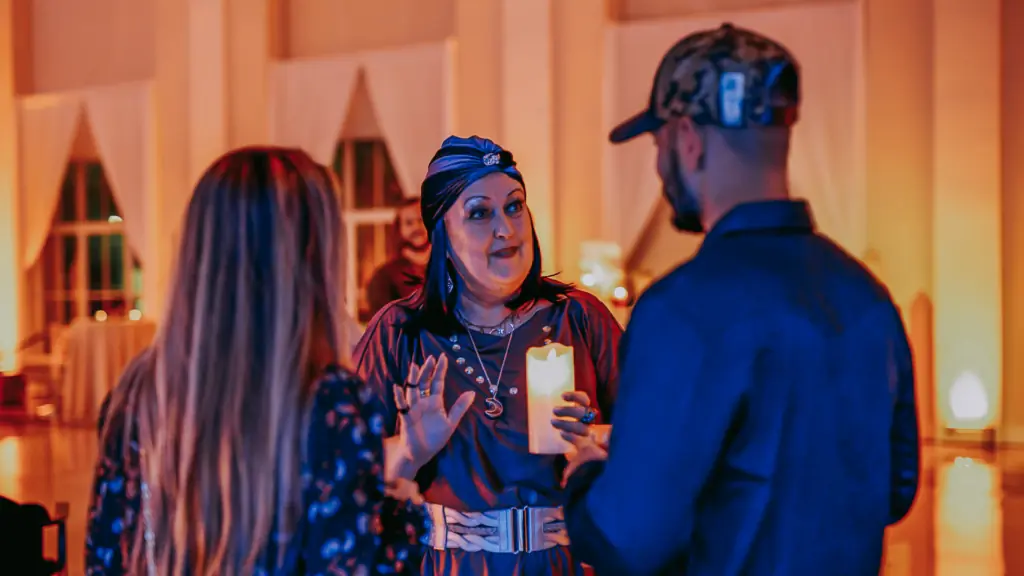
(343, 494)
(487, 464)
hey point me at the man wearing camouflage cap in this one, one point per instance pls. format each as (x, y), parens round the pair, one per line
(766, 420)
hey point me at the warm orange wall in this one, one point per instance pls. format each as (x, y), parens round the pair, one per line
(1012, 219)
(653, 9)
(86, 43)
(325, 27)
(899, 151)
(10, 269)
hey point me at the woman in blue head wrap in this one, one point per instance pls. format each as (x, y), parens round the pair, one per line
(461, 342)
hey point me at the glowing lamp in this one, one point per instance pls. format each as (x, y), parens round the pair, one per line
(134, 314)
(101, 316)
(600, 267)
(550, 372)
(968, 400)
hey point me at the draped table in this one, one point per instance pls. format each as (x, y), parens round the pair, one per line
(95, 355)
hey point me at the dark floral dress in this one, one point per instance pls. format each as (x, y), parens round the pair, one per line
(349, 528)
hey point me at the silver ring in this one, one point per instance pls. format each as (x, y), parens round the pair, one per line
(588, 416)
(424, 392)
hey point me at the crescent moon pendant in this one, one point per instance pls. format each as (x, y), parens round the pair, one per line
(494, 408)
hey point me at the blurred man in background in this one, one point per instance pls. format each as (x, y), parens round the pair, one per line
(403, 274)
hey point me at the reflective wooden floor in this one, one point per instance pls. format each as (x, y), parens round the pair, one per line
(967, 521)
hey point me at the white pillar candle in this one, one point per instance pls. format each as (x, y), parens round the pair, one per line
(550, 372)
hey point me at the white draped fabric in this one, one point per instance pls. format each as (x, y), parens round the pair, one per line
(827, 160)
(411, 88)
(47, 128)
(120, 118)
(308, 103)
(412, 92)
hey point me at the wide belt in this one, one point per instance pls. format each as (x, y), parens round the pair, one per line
(508, 531)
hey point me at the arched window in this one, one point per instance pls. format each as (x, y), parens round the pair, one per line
(85, 266)
(370, 192)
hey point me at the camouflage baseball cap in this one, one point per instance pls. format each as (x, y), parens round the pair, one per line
(728, 77)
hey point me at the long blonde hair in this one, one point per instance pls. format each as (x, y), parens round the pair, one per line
(220, 403)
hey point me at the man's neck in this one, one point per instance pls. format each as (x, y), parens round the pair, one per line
(772, 186)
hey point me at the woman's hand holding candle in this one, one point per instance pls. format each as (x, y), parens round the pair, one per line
(571, 420)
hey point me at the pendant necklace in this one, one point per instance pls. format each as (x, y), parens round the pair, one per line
(494, 406)
(503, 328)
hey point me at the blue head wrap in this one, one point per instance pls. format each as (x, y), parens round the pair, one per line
(459, 163)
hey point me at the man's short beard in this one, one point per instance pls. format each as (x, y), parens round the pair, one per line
(686, 212)
(413, 247)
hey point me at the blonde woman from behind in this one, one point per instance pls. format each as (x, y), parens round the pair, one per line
(241, 442)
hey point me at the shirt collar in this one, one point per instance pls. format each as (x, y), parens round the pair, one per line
(778, 215)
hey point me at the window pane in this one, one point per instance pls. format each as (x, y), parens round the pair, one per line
(70, 255)
(67, 194)
(93, 191)
(339, 161)
(116, 260)
(364, 173)
(393, 195)
(95, 263)
(99, 202)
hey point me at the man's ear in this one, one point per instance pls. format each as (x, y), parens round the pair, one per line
(690, 144)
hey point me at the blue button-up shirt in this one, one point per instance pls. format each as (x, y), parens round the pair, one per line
(766, 419)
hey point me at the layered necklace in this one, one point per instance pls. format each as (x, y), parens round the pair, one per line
(506, 327)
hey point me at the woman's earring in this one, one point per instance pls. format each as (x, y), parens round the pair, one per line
(450, 284)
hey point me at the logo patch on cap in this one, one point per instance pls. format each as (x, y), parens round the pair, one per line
(731, 94)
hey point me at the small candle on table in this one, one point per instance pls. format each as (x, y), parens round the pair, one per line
(550, 372)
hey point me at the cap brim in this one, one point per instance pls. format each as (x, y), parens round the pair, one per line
(642, 123)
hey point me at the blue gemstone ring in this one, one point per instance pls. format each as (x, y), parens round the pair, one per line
(589, 417)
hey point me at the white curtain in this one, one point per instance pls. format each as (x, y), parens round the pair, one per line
(48, 125)
(827, 160)
(308, 103)
(120, 120)
(412, 93)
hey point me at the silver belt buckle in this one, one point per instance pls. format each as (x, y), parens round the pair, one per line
(522, 534)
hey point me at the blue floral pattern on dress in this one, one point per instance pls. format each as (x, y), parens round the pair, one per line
(349, 526)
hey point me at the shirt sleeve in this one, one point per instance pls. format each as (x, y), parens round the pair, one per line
(347, 530)
(673, 414)
(377, 363)
(904, 441)
(113, 506)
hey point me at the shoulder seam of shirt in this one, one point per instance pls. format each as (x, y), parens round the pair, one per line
(376, 323)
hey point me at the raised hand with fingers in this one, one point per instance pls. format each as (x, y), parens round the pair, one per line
(426, 425)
